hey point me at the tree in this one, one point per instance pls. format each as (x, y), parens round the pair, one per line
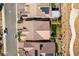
(1, 5)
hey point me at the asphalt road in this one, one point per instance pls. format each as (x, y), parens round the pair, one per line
(10, 24)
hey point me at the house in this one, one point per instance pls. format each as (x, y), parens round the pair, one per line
(29, 10)
(36, 35)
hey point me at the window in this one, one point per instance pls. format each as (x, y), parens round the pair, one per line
(41, 45)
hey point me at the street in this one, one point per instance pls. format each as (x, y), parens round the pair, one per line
(10, 26)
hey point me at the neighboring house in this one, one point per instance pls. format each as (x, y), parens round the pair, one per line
(33, 10)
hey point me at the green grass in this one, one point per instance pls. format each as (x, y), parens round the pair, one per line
(53, 5)
(56, 29)
(53, 28)
(56, 23)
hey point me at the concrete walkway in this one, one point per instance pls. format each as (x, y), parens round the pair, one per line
(73, 14)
